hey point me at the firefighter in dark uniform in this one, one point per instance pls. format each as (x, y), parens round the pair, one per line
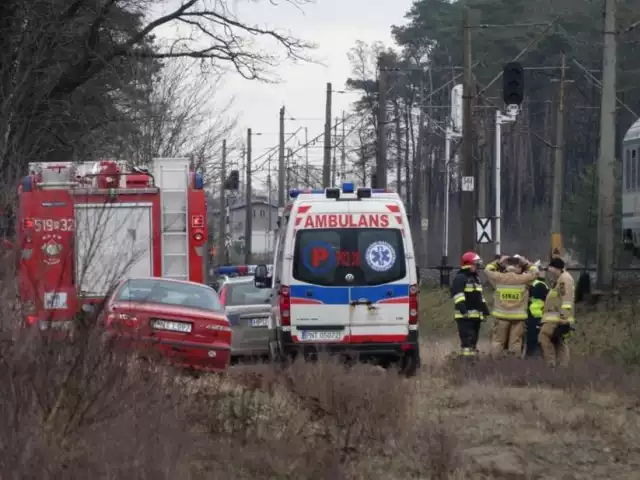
(469, 302)
(538, 291)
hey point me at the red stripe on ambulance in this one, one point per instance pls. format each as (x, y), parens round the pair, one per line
(393, 208)
(342, 220)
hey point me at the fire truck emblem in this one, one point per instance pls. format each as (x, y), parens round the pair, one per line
(52, 249)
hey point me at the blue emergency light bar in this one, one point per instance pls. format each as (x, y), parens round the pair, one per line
(347, 187)
(236, 270)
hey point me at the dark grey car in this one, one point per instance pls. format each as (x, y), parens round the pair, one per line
(248, 309)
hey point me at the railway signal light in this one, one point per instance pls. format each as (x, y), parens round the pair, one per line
(233, 180)
(513, 83)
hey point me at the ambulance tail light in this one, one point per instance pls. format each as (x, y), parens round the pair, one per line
(364, 193)
(31, 320)
(28, 223)
(285, 306)
(413, 304)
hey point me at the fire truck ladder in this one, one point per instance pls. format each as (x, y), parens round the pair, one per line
(172, 178)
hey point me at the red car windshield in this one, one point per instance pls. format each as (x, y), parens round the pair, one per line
(169, 293)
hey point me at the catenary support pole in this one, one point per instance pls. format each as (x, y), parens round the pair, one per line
(248, 206)
(343, 151)
(498, 184)
(222, 228)
(381, 160)
(558, 169)
(467, 216)
(306, 158)
(447, 195)
(334, 163)
(281, 173)
(326, 164)
(606, 157)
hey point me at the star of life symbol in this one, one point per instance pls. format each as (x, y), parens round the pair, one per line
(52, 249)
(380, 256)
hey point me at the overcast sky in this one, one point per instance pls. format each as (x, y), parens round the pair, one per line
(334, 25)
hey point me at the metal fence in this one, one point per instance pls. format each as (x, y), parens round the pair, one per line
(442, 275)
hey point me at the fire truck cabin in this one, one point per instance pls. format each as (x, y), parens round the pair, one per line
(82, 227)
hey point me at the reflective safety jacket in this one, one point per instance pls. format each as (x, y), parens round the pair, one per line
(467, 295)
(538, 291)
(511, 297)
(558, 306)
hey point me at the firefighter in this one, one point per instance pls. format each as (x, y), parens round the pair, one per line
(470, 305)
(511, 302)
(538, 291)
(558, 317)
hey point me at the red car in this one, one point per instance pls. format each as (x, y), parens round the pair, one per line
(182, 320)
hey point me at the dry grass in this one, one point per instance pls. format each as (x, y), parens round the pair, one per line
(82, 410)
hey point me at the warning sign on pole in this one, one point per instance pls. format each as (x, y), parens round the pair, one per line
(483, 230)
(468, 184)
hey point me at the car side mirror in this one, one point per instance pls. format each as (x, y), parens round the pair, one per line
(261, 277)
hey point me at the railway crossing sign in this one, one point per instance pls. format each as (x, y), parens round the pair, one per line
(483, 230)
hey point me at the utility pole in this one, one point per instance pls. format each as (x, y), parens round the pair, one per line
(417, 178)
(222, 235)
(606, 158)
(326, 164)
(288, 168)
(243, 164)
(381, 161)
(334, 165)
(343, 154)
(248, 207)
(396, 113)
(558, 169)
(270, 220)
(306, 158)
(281, 192)
(468, 180)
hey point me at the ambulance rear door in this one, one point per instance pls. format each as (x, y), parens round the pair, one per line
(380, 282)
(319, 307)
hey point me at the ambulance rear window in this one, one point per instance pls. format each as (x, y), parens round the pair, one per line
(349, 257)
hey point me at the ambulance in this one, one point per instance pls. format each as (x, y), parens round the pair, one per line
(344, 278)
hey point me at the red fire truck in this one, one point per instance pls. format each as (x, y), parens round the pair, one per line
(81, 227)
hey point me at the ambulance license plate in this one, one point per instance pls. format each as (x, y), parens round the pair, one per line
(320, 336)
(171, 326)
(259, 322)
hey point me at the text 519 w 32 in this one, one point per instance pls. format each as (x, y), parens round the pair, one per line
(50, 225)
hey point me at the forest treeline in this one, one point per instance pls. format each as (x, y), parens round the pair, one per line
(428, 52)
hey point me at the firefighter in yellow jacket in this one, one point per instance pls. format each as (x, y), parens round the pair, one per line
(510, 277)
(558, 318)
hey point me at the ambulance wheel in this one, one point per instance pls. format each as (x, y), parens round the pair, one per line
(409, 364)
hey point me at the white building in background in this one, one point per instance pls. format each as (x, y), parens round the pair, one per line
(263, 225)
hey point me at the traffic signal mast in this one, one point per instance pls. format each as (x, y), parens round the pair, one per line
(513, 95)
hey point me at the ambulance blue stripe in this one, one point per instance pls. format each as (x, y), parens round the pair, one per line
(340, 295)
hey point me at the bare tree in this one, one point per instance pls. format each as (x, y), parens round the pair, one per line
(181, 116)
